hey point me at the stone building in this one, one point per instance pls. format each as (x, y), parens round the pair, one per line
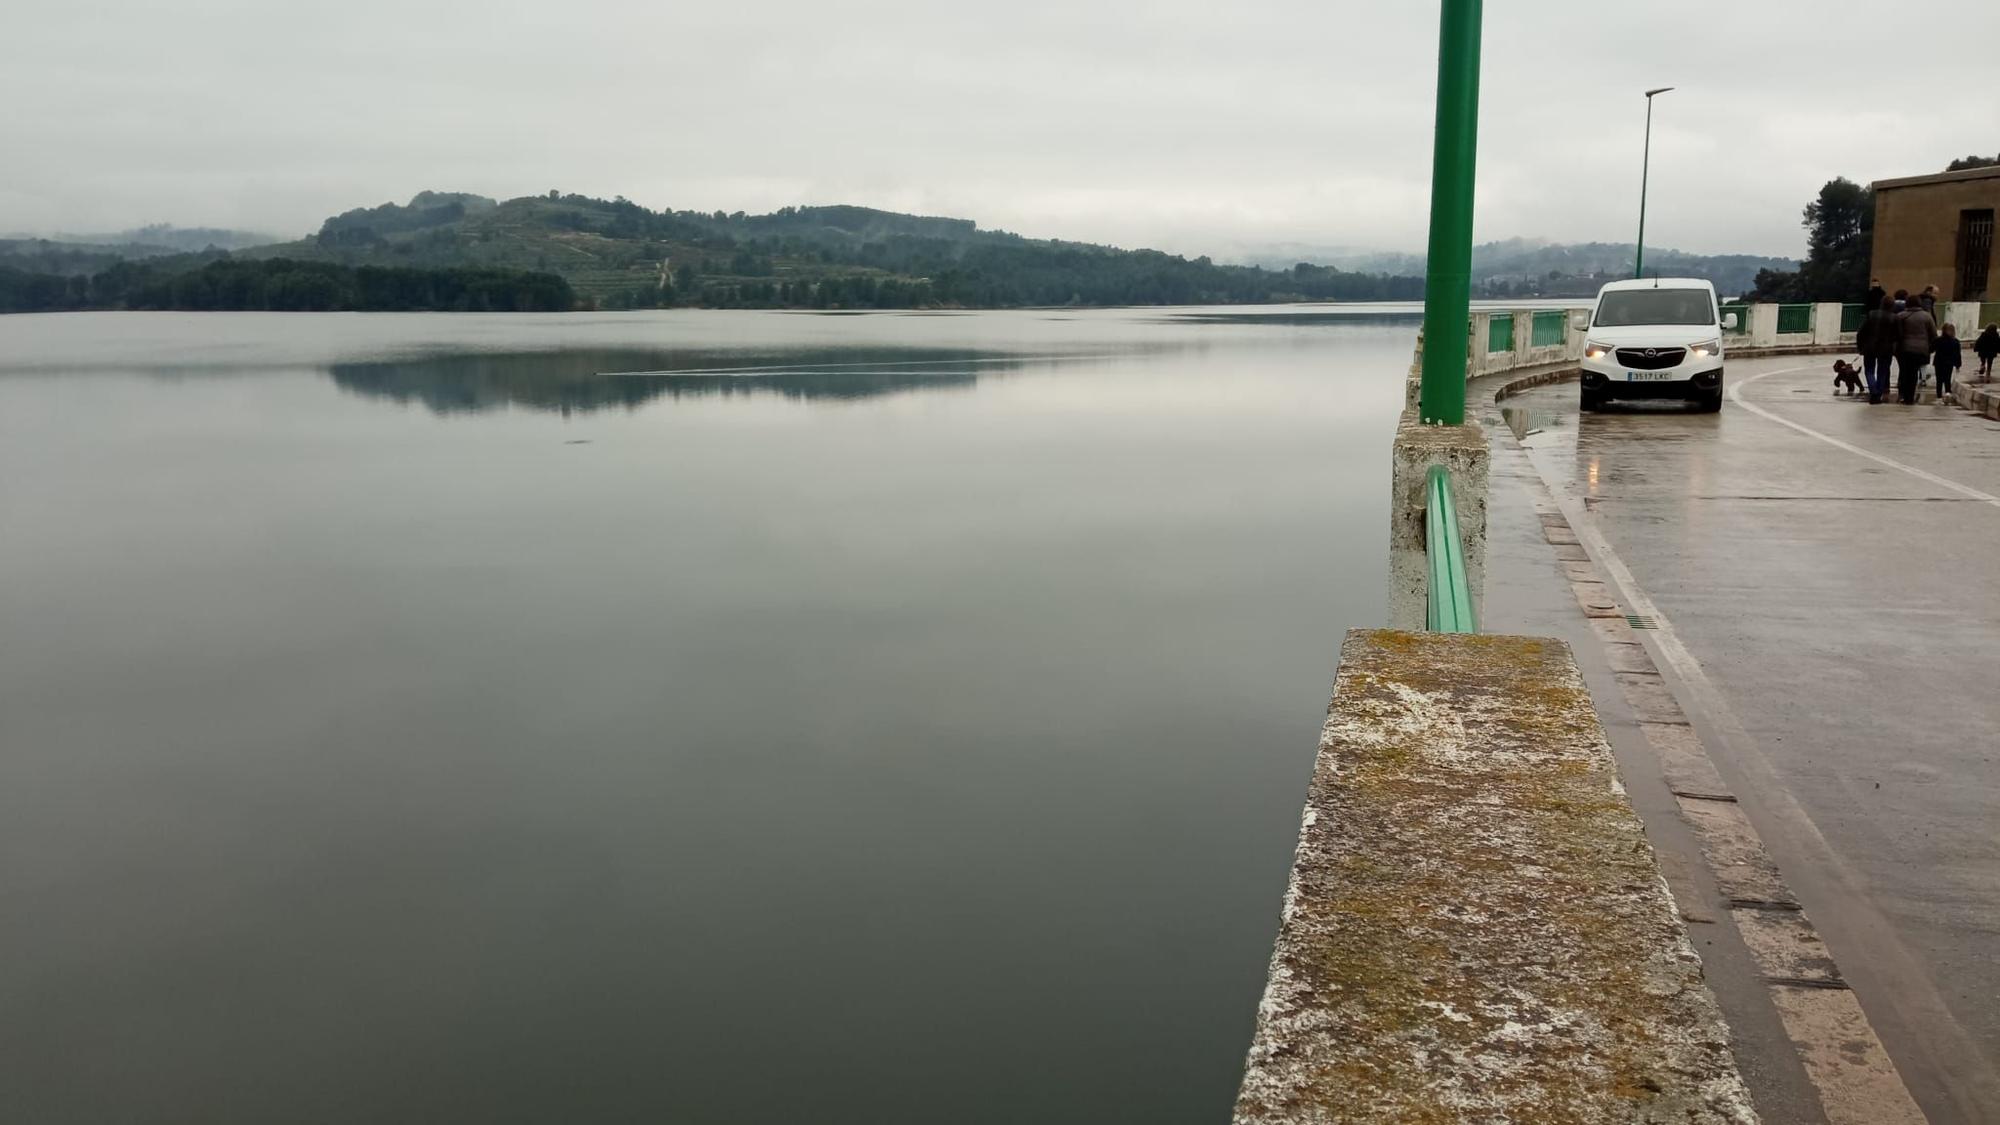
(1938, 230)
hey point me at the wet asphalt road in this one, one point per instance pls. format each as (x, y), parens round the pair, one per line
(1846, 610)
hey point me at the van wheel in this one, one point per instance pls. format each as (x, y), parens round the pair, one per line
(1588, 400)
(1709, 404)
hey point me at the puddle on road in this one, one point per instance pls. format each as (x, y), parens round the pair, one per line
(1526, 420)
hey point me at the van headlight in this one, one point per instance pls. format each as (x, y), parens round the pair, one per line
(1594, 350)
(1706, 348)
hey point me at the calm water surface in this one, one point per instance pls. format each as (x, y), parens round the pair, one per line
(706, 717)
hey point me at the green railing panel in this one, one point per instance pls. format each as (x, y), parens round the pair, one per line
(1450, 593)
(1793, 319)
(1742, 319)
(1500, 333)
(1989, 313)
(1550, 329)
(1851, 317)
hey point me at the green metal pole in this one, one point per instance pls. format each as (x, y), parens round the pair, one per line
(1448, 275)
(1645, 169)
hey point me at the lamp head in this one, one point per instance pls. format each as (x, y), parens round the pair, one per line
(1660, 90)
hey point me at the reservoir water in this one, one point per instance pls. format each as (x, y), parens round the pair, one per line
(691, 717)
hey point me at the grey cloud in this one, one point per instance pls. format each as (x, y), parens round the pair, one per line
(1201, 128)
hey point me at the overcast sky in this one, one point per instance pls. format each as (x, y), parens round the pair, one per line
(1195, 127)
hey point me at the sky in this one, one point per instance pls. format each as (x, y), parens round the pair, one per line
(1219, 128)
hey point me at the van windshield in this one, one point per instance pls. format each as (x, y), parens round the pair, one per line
(1622, 307)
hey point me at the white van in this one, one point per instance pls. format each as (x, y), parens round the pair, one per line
(1656, 337)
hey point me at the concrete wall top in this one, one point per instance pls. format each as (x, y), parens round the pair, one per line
(1476, 928)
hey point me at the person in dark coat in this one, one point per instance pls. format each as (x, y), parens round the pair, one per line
(1928, 299)
(1946, 358)
(1875, 294)
(1917, 337)
(1876, 341)
(1987, 347)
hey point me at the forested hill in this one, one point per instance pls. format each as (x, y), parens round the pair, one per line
(1533, 267)
(618, 254)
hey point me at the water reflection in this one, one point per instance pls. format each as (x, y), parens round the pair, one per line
(586, 380)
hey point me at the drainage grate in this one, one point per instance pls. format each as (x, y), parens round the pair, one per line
(1641, 621)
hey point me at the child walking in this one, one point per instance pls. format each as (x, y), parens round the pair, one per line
(1947, 359)
(1986, 347)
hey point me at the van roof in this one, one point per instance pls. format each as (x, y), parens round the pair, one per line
(1658, 283)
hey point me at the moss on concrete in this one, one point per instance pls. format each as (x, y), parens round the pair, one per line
(1476, 929)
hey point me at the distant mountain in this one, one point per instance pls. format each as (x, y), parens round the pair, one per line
(469, 248)
(72, 259)
(162, 238)
(1524, 267)
(618, 254)
(76, 255)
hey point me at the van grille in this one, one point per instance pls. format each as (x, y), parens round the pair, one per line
(1651, 359)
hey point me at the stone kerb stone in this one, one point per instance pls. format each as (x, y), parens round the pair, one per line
(1475, 927)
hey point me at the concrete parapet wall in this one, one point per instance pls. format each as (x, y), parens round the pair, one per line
(1482, 360)
(1463, 452)
(1475, 927)
(1965, 314)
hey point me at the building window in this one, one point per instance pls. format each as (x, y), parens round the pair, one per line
(1975, 254)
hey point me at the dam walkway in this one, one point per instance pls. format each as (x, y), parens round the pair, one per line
(1805, 585)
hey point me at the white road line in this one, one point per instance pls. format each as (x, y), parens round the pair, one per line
(1736, 396)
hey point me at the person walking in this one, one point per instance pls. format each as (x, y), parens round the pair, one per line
(1928, 299)
(1986, 347)
(1917, 337)
(1877, 341)
(1946, 359)
(1875, 294)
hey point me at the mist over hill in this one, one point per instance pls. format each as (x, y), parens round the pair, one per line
(1520, 267)
(461, 250)
(71, 255)
(161, 238)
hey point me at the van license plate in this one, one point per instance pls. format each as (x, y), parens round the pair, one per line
(1649, 376)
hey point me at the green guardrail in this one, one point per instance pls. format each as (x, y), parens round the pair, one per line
(1851, 317)
(1742, 319)
(1989, 313)
(1794, 319)
(1450, 593)
(1551, 327)
(1500, 333)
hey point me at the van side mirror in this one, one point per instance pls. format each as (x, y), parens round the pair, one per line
(1729, 321)
(1579, 320)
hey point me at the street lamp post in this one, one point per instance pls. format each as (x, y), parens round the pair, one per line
(1645, 167)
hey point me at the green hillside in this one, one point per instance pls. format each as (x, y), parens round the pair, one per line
(1533, 267)
(618, 254)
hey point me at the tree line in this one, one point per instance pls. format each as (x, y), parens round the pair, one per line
(284, 285)
(1014, 277)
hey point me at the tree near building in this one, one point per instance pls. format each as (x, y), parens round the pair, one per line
(1840, 238)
